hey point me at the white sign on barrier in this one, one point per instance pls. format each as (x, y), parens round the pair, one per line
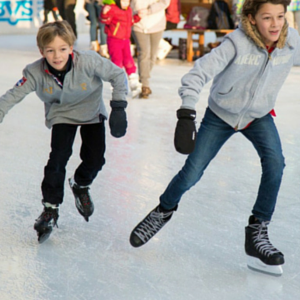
(26, 16)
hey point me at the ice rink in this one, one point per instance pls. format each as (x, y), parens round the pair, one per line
(198, 255)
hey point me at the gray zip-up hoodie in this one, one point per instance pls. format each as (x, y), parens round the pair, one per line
(79, 100)
(247, 78)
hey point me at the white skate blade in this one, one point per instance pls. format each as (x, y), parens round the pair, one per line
(256, 264)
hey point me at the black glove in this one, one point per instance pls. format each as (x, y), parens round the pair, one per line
(117, 118)
(185, 132)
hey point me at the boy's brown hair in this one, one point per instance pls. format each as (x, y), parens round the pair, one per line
(251, 7)
(49, 31)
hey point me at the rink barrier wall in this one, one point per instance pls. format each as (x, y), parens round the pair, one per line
(26, 16)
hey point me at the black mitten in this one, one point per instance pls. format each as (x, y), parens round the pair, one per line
(185, 132)
(117, 118)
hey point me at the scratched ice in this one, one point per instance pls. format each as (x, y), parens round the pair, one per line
(198, 255)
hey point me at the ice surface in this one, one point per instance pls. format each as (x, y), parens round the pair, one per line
(198, 255)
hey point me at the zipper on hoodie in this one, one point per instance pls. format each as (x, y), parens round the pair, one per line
(116, 29)
(250, 102)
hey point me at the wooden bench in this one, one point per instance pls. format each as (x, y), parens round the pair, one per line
(201, 39)
(186, 6)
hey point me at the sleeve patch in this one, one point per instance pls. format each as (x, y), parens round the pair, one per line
(21, 81)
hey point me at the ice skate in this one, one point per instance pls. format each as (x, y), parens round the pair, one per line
(46, 221)
(150, 225)
(262, 255)
(134, 84)
(163, 49)
(83, 200)
(95, 46)
(104, 51)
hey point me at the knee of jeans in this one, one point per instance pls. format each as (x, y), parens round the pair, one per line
(60, 157)
(188, 179)
(100, 163)
(277, 163)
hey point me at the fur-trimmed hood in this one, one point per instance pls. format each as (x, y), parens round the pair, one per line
(246, 78)
(252, 32)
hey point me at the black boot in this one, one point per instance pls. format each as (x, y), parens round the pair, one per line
(46, 221)
(150, 225)
(83, 200)
(258, 246)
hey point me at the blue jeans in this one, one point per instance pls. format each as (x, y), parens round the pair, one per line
(94, 10)
(212, 134)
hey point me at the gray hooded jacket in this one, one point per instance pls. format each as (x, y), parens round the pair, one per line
(80, 99)
(246, 78)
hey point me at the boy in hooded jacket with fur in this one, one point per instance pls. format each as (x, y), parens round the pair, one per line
(248, 70)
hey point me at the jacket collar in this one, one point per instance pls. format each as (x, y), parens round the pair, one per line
(252, 32)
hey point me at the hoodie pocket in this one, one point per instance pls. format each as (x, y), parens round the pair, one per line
(229, 101)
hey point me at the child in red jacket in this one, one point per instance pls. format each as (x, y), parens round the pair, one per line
(118, 20)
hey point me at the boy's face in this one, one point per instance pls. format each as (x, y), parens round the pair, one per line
(57, 53)
(269, 21)
(125, 3)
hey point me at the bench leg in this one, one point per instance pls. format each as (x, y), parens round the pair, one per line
(189, 47)
(201, 43)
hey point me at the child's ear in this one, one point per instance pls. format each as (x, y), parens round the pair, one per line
(71, 49)
(41, 51)
(251, 19)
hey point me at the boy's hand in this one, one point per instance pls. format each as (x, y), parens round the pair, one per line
(185, 132)
(117, 118)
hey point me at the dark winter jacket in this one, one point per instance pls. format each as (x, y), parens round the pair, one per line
(118, 22)
(219, 16)
(173, 11)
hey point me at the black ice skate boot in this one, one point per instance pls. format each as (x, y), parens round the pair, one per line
(150, 225)
(262, 255)
(46, 221)
(83, 200)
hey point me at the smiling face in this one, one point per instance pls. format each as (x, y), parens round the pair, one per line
(125, 4)
(269, 21)
(57, 53)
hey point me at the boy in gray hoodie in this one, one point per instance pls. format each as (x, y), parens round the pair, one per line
(70, 83)
(248, 70)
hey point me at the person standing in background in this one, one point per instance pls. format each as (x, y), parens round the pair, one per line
(173, 14)
(293, 14)
(50, 6)
(66, 10)
(94, 8)
(118, 20)
(147, 34)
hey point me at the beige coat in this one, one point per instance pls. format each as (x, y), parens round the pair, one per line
(155, 20)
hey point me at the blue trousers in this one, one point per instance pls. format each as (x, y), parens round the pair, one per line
(212, 135)
(94, 10)
(91, 154)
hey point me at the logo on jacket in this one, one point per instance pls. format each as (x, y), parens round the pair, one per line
(21, 81)
(279, 60)
(248, 59)
(83, 86)
(49, 91)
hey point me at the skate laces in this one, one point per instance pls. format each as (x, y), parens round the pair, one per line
(152, 224)
(83, 194)
(261, 239)
(50, 214)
